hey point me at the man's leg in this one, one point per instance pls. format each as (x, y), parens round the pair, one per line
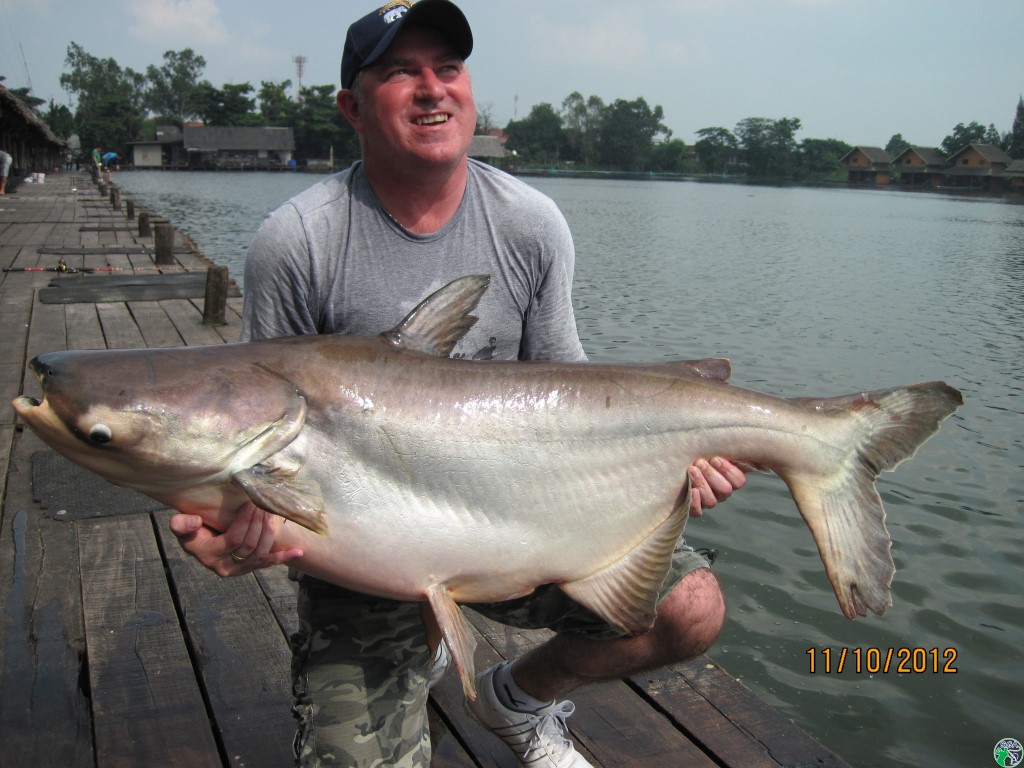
(689, 620)
(360, 670)
(519, 701)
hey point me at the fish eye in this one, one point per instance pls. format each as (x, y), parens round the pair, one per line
(101, 434)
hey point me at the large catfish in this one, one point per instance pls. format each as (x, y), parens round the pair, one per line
(418, 477)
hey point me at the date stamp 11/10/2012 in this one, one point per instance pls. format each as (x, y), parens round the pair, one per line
(876, 660)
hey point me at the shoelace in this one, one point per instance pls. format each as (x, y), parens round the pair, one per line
(552, 727)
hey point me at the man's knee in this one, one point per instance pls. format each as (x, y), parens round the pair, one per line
(692, 615)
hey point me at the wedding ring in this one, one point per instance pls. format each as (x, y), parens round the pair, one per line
(238, 558)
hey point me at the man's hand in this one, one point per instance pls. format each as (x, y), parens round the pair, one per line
(712, 482)
(247, 544)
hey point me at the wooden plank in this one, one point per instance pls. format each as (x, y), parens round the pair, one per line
(84, 331)
(147, 706)
(760, 735)
(243, 655)
(119, 327)
(156, 328)
(189, 322)
(44, 712)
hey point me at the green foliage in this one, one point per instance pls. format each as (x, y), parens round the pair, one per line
(819, 159)
(1015, 144)
(672, 156)
(769, 146)
(717, 149)
(111, 100)
(172, 87)
(972, 133)
(60, 119)
(538, 137)
(896, 144)
(628, 130)
(582, 119)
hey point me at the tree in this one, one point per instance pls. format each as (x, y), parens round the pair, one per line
(1015, 146)
(276, 108)
(111, 100)
(670, 156)
(173, 86)
(582, 119)
(230, 105)
(896, 144)
(627, 134)
(60, 119)
(716, 149)
(973, 133)
(316, 129)
(538, 137)
(769, 145)
(819, 158)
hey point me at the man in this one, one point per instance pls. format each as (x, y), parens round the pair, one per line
(355, 253)
(5, 168)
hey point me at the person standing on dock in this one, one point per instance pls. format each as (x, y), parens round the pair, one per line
(352, 254)
(5, 168)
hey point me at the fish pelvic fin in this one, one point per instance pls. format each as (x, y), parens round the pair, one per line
(456, 634)
(276, 490)
(437, 323)
(625, 593)
(843, 509)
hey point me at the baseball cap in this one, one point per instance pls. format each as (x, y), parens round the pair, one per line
(369, 37)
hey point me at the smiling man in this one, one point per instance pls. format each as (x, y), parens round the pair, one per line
(354, 254)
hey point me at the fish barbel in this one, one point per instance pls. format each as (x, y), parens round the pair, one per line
(414, 476)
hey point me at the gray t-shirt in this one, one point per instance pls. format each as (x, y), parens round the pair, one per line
(331, 260)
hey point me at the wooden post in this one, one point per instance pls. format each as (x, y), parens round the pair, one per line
(145, 230)
(216, 296)
(164, 242)
(129, 207)
(102, 188)
(115, 198)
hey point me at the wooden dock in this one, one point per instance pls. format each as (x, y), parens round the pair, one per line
(117, 649)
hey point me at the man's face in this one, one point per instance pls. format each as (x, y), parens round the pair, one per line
(415, 104)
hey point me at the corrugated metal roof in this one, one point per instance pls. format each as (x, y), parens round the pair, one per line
(486, 146)
(214, 138)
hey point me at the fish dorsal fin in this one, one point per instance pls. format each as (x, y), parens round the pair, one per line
(437, 323)
(625, 593)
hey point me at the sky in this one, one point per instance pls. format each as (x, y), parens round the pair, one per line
(855, 70)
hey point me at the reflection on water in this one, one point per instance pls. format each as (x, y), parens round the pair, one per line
(809, 292)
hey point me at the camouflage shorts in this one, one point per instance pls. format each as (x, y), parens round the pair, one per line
(360, 667)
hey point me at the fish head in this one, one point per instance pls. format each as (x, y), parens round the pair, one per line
(156, 419)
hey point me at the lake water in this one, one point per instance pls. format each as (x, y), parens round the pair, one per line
(809, 292)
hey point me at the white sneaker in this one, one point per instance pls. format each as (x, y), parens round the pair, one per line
(442, 659)
(538, 738)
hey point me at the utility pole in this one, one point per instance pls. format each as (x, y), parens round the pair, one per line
(300, 67)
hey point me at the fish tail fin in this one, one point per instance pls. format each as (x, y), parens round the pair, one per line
(843, 509)
(456, 634)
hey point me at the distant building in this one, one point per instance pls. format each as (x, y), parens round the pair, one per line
(216, 148)
(921, 167)
(490, 149)
(867, 165)
(28, 140)
(978, 166)
(1014, 174)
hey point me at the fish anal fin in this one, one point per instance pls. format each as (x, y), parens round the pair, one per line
(456, 634)
(847, 521)
(437, 323)
(625, 593)
(277, 491)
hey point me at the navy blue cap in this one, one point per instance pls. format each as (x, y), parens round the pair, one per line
(369, 37)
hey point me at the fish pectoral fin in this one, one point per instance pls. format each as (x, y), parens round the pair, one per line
(278, 492)
(456, 634)
(625, 593)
